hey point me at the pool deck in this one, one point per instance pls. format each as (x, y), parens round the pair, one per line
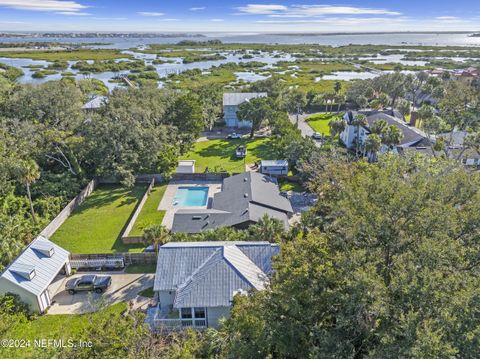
(166, 204)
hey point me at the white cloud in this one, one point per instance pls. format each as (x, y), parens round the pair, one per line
(72, 13)
(309, 10)
(150, 13)
(170, 20)
(338, 21)
(259, 9)
(447, 18)
(217, 20)
(43, 5)
(109, 18)
(197, 8)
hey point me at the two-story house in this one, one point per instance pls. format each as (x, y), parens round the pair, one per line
(196, 281)
(231, 103)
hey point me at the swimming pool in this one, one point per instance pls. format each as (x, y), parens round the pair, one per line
(191, 197)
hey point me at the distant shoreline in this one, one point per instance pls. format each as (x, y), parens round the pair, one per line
(12, 34)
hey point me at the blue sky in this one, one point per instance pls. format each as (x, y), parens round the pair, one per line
(239, 16)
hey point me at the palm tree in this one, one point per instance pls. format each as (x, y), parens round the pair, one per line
(378, 126)
(359, 120)
(337, 126)
(391, 136)
(372, 146)
(29, 173)
(157, 235)
(268, 229)
(340, 101)
(337, 87)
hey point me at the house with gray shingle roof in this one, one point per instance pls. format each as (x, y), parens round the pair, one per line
(245, 198)
(411, 136)
(196, 281)
(231, 103)
(31, 274)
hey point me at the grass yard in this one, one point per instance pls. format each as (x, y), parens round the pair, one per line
(219, 154)
(149, 214)
(54, 327)
(290, 186)
(141, 268)
(319, 122)
(148, 293)
(96, 226)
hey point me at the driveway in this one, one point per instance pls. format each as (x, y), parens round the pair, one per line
(304, 127)
(125, 287)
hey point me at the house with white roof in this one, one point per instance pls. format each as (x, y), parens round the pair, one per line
(196, 281)
(32, 274)
(274, 167)
(231, 103)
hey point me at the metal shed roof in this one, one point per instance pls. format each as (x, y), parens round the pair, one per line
(274, 163)
(34, 257)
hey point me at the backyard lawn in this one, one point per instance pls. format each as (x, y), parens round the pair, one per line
(319, 122)
(149, 214)
(96, 226)
(218, 155)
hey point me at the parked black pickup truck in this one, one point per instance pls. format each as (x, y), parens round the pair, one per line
(88, 283)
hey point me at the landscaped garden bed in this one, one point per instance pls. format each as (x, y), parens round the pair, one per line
(219, 155)
(97, 224)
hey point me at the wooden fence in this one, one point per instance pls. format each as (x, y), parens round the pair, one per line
(126, 238)
(52, 227)
(199, 176)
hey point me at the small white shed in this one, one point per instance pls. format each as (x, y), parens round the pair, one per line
(275, 167)
(186, 166)
(32, 273)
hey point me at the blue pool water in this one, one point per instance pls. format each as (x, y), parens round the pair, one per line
(191, 197)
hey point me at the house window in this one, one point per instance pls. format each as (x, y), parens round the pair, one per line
(186, 313)
(199, 313)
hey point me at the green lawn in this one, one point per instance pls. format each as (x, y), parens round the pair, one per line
(54, 327)
(290, 186)
(149, 214)
(96, 226)
(141, 268)
(149, 293)
(319, 122)
(219, 154)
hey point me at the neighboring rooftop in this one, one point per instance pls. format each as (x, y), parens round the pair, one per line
(411, 135)
(236, 98)
(36, 267)
(244, 199)
(207, 274)
(274, 163)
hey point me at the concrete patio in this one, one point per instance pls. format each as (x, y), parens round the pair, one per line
(166, 204)
(125, 287)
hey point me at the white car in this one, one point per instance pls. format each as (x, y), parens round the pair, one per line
(317, 136)
(234, 136)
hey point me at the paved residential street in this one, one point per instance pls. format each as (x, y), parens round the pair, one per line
(125, 287)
